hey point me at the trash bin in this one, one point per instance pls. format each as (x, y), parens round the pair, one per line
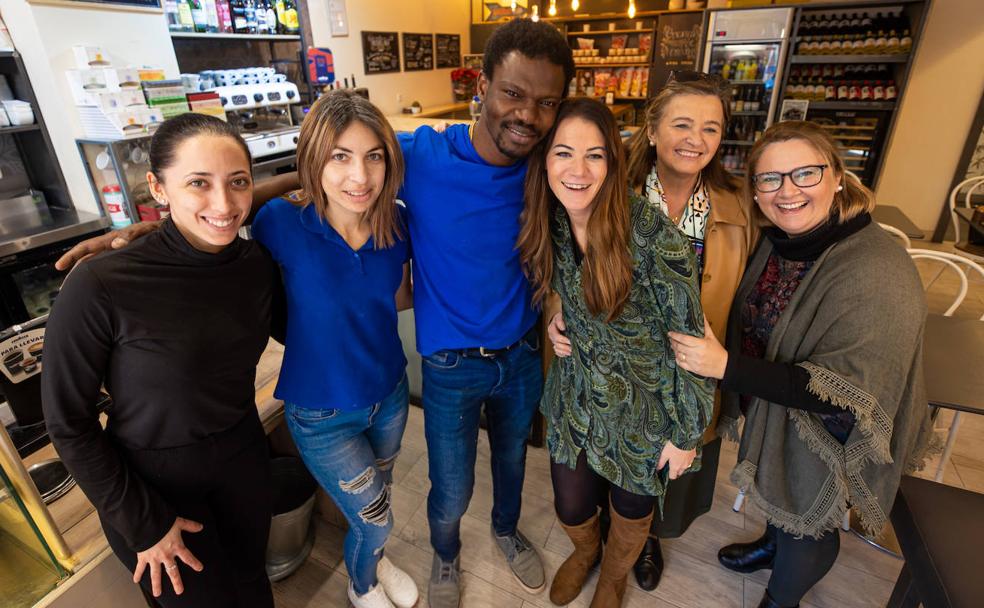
(291, 530)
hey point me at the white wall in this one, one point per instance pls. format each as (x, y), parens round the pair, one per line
(937, 110)
(431, 87)
(44, 36)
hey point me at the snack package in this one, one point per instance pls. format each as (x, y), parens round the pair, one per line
(636, 85)
(601, 78)
(625, 76)
(585, 43)
(584, 80)
(618, 41)
(645, 43)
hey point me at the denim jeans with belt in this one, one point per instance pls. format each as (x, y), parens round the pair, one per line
(351, 454)
(455, 386)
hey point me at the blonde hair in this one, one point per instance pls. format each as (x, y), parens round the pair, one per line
(642, 156)
(853, 200)
(607, 264)
(325, 122)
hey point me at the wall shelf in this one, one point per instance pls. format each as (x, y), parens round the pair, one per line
(218, 36)
(886, 106)
(605, 32)
(900, 58)
(610, 65)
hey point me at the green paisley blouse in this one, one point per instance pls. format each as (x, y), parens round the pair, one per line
(620, 395)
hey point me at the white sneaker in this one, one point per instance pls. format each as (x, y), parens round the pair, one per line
(400, 588)
(375, 598)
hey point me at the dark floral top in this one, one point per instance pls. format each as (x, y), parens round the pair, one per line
(620, 395)
(761, 311)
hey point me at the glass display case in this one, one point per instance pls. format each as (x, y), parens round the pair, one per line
(28, 567)
(747, 48)
(117, 171)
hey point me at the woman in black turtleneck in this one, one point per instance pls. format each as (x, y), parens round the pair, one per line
(823, 359)
(174, 326)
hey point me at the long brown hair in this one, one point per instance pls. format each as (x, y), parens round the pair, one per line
(324, 124)
(607, 265)
(849, 203)
(642, 155)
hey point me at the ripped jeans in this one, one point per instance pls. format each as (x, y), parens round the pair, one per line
(351, 454)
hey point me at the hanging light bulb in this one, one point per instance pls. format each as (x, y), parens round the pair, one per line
(575, 5)
(631, 9)
(513, 6)
(536, 13)
(552, 11)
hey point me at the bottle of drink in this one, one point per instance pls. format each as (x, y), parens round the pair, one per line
(881, 43)
(184, 16)
(290, 13)
(173, 19)
(905, 43)
(894, 43)
(271, 17)
(878, 91)
(250, 16)
(261, 23)
(830, 91)
(199, 15)
(890, 92)
(870, 43)
(238, 10)
(212, 16)
(866, 92)
(843, 91)
(740, 103)
(475, 107)
(225, 16)
(281, 10)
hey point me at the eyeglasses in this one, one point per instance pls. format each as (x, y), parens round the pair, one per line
(804, 177)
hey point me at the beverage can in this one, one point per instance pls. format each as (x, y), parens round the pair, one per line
(116, 205)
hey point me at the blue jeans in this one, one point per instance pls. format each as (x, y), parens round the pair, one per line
(351, 454)
(455, 387)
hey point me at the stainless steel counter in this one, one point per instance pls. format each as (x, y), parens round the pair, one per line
(64, 224)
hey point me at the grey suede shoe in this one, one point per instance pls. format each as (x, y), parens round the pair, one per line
(444, 590)
(523, 560)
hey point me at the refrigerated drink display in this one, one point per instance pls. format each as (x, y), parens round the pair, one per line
(747, 47)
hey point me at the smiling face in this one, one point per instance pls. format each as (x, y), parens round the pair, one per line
(356, 170)
(793, 209)
(519, 106)
(688, 134)
(209, 189)
(577, 164)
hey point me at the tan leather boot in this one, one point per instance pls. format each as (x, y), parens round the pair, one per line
(625, 540)
(572, 573)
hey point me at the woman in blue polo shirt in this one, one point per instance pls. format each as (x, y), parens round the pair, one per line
(342, 248)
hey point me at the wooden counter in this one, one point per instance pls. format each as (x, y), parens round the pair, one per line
(448, 110)
(408, 123)
(75, 516)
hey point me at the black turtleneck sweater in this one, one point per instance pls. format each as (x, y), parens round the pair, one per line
(175, 334)
(786, 383)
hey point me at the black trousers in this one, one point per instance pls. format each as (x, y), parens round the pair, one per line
(800, 563)
(224, 483)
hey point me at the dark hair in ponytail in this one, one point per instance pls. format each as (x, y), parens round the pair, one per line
(174, 131)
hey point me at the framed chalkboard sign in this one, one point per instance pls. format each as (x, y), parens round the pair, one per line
(418, 52)
(448, 50)
(381, 52)
(676, 46)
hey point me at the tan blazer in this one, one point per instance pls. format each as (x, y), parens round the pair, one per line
(728, 238)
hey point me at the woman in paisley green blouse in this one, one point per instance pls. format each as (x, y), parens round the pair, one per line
(618, 410)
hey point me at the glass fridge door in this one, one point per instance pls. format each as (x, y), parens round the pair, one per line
(751, 69)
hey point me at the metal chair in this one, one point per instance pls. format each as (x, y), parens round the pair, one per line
(974, 183)
(952, 260)
(897, 233)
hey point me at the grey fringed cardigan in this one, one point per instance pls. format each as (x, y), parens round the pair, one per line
(856, 324)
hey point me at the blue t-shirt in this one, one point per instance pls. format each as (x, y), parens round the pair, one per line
(343, 350)
(469, 286)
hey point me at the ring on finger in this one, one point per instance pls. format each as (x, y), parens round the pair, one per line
(170, 567)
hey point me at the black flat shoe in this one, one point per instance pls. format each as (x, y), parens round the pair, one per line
(749, 557)
(768, 602)
(649, 567)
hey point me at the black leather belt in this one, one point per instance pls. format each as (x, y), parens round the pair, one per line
(490, 353)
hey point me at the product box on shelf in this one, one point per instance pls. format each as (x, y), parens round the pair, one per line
(89, 57)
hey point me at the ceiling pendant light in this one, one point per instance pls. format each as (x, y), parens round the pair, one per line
(631, 9)
(513, 6)
(575, 5)
(536, 13)
(552, 11)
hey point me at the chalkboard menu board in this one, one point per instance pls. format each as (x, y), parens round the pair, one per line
(418, 52)
(676, 47)
(448, 50)
(380, 52)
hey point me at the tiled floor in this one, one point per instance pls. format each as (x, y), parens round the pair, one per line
(862, 576)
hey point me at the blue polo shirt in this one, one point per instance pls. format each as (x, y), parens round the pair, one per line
(343, 350)
(469, 286)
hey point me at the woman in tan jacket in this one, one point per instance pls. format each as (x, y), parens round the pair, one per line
(674, 162)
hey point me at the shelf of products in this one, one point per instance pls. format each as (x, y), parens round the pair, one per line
(612, 61)
(605, 32)
(216, 35)
(636, 64)
(881, 106)
(869, 32)
(849, 58)
(263, 18)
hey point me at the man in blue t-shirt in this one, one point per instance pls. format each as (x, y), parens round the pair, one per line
(475, 323)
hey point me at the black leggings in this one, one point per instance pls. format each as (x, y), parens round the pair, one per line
(800, 564)
(576, 494)
(223, 483)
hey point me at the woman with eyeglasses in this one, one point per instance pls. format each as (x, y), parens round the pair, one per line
(675, 164)
(823, 358)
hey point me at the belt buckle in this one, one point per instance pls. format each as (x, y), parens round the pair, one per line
(487, 353)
